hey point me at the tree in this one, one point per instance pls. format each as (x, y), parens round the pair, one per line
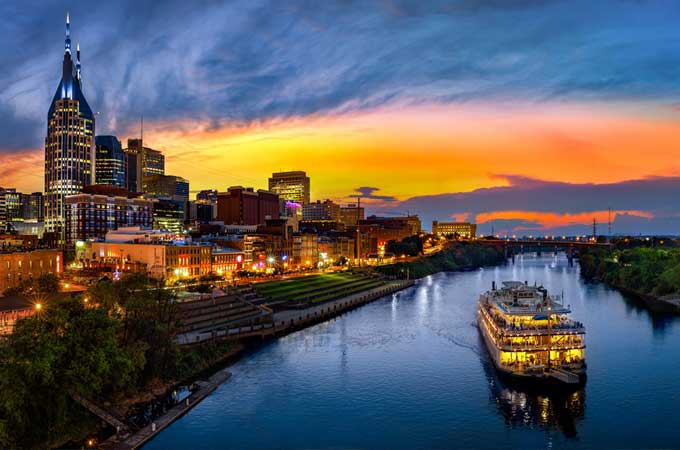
(66, 348)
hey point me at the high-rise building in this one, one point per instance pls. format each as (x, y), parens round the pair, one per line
(153, 162)
(244, 206)
(32, 206)
(16, 207)
(291, 186)
(10, 207)
(327, 210)
(133, 165)
(110, 162)
(142, 161)
(69, 144)
(169, 214)
(205, 206)
(165, 186)
(350, 214)
(173, 194)
(209, 195)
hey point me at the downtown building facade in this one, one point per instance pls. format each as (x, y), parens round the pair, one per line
(10, 207)
(351, 214)
(20, 266)
(291, 186)
(326, 210)
(69, 144)
(142, 162)
(245, 206)
(465, 230)
(110, 162)
(17, 208)
(100, 209)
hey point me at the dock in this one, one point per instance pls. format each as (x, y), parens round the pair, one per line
(141, 437)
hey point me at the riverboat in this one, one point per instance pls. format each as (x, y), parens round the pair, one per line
(530, 336)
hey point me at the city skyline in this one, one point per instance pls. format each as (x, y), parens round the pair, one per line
(465, 137)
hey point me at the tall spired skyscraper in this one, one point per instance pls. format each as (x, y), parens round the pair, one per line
(69, 145)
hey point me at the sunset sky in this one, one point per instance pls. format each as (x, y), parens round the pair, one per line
(528, 116)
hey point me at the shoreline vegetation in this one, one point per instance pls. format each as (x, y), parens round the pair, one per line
(648, 269)
(118, 349)
(458, 256)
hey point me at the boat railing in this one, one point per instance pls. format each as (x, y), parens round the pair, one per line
(556, 328)
(510, 328)
(543, 347)
(527, 367)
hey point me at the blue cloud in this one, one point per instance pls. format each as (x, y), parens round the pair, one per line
(249, 60)
(369, 193)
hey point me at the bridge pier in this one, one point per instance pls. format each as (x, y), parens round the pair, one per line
(570, 256)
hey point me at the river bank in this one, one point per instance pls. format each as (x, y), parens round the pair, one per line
(456, 257)
(652, 276)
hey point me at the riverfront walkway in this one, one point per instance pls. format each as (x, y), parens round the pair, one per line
(292, 319)
(139, 438)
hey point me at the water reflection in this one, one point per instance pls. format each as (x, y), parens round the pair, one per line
(527, 407)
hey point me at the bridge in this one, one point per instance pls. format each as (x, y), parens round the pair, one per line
(571, 247)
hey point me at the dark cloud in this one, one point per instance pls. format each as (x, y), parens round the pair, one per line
(656, 196)
(369, 193)
(249, 60)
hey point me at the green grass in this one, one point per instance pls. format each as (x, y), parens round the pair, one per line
(276, 288)
(341, 288)
(354, 290)
(316, 288)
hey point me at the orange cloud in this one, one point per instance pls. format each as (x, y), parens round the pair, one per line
(417, 151)
(548, 220)
(23, 170)
(412, 150)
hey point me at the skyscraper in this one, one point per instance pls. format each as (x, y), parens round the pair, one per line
(69, 144)
(291, 186)
(142, 162)
(110, 162)
(166, 186)
(10, 207)
(33, 207)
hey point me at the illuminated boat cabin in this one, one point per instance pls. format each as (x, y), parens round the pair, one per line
(529, 332)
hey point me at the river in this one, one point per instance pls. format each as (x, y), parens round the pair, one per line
(410, 372)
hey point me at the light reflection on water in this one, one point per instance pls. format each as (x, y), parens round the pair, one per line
(410, 372)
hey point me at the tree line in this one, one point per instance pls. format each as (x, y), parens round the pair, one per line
(113, 340)
(644, 270)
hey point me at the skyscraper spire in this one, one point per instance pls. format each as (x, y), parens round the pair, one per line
(67, 42)
(78, 62)
(69, 142)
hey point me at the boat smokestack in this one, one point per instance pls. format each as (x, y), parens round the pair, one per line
(493, 285)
